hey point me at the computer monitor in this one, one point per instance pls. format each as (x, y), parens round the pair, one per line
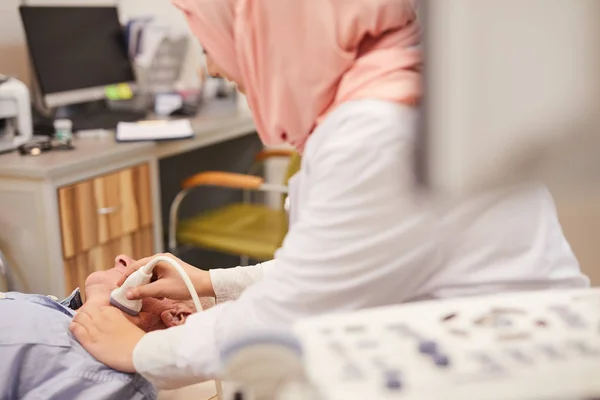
(76, 52)
(512, 94)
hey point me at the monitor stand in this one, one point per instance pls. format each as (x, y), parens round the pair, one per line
(97, 115)
(74, 110)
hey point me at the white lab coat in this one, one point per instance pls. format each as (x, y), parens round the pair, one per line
(360, 236)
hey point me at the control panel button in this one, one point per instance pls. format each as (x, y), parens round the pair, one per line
(428, 347)
(441, 360)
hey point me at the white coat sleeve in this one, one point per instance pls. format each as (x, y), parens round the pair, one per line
(229, 283)
(359, 241)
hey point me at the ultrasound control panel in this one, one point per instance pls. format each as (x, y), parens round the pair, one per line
(534, 345)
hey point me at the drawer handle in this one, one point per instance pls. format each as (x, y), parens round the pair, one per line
(108, 210)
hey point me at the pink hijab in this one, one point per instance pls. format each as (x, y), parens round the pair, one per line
(300, 59)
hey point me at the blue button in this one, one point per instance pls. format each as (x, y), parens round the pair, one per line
(441, 360)
(428, 347)
(393, 382)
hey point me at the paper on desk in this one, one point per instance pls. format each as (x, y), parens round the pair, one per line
(154, 130)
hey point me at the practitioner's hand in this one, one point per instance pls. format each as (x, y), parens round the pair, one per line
(107, 335)
(167, 282)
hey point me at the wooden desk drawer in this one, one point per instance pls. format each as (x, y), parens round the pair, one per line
(103, 217)
(97, 211)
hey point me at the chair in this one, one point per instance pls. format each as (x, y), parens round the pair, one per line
(248, 230)
(3, 273)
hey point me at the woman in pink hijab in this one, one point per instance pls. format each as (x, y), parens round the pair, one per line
(339, 80)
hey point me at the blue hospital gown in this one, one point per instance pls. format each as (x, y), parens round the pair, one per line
(40, 359)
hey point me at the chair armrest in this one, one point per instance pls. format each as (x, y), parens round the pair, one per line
(223, 179)
(213, 178)
(269, 153)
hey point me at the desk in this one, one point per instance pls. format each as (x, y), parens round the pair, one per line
(52, 229)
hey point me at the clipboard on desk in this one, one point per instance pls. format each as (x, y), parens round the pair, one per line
(160, 130)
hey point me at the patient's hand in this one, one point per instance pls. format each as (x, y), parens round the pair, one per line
(107, 335)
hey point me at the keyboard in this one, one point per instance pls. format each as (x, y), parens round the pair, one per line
(105, 119)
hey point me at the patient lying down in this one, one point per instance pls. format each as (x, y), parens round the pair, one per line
(41, 359)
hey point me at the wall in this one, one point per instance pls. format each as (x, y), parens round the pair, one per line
(13, 55)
